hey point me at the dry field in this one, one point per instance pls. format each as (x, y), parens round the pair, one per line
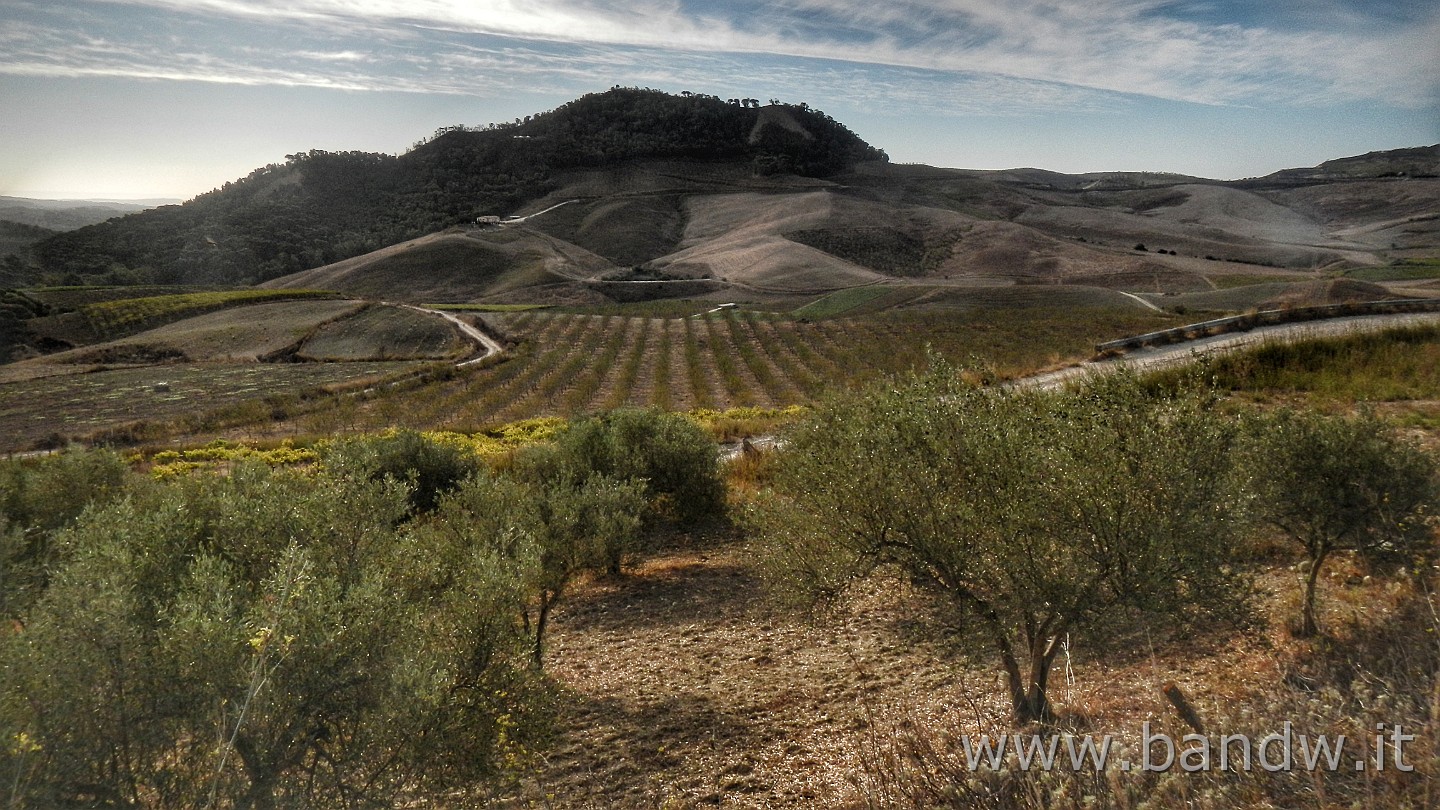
(384, 333)
(453, 266)
(78, 405)
(238, 334)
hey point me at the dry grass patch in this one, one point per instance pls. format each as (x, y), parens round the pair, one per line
(384, 333)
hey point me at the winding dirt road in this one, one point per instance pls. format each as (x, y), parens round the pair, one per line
(489, 345)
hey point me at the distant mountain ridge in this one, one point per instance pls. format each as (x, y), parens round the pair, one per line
(65, 215)
(1420, 162)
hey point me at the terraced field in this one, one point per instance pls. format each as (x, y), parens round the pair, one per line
(78, 405)
(566, 364)
(128, 315)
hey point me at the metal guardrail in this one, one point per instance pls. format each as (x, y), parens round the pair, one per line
(1269, 317)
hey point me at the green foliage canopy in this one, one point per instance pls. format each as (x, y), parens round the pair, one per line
(674, 459)
(1334, 483)
(266, 638)
(1034, 516)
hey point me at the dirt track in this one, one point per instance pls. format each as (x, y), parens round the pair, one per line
(489, 344)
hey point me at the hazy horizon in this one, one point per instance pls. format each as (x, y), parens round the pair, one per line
(167, 99)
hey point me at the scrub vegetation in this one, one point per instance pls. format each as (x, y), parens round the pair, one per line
(369, 628)
(566, 615)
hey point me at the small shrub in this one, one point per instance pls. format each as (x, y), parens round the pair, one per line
(431, 468)
(548, 532)
(38, 497)
(1335, 483)
(673, 456)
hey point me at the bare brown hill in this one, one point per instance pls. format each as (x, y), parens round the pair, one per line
(1340, 221)
(742, 234)
(459, 265)
(1385, 215)
(1418, 161)
(1200, 220)
(830, 237)
(636, 212)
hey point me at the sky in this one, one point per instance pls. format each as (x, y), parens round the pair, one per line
(131, 99)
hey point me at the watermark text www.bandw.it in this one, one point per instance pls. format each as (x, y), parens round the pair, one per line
(1283, 750)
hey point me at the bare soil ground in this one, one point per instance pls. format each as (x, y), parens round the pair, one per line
(648, 379)
(685, 686)
(747, 389)
(75, 405)
(682, 396)
(714, 387)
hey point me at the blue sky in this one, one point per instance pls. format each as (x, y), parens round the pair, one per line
(170, 98)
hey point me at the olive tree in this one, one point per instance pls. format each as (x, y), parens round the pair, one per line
(1032, 515)
(674, 458)
(551, 533)
(1335, 483)
(266, 638)
(429, 467)
(38, 497)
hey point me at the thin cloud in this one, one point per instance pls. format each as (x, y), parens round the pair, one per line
(1040, 49)
(332, 56)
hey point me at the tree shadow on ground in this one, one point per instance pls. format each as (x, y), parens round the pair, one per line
(669, 590)
(650, 751)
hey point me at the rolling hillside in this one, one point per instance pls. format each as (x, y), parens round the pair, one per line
(460, 266)
(645, 230)
(636, 195)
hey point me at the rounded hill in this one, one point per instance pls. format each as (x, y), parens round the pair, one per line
(321, 207)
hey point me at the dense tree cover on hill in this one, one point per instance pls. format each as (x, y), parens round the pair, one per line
(15, 309)
(319, 207)
(15, 241)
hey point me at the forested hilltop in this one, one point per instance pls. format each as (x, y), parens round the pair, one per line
(320, 207)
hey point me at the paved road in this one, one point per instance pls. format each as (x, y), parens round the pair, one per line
(1157, 357)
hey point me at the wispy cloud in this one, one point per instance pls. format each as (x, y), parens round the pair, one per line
(1049, 52)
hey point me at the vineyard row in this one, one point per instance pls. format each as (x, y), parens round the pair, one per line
(564, 365)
